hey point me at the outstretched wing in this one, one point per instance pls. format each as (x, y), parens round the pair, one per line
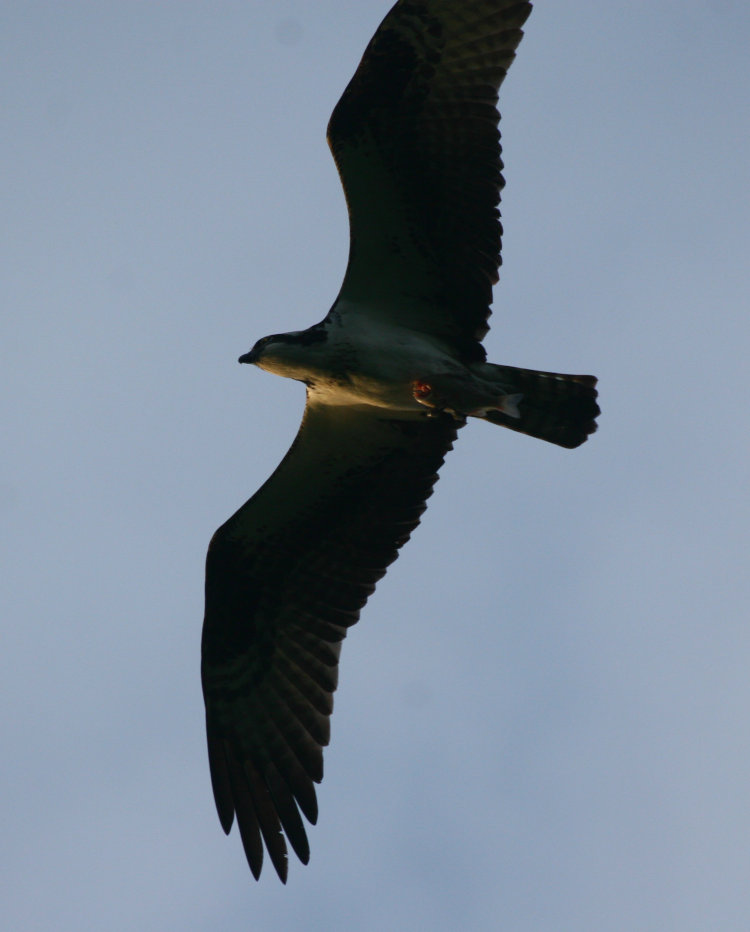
(416, 142)
(285, 577)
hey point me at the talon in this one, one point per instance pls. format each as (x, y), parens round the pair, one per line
(421, 390)
(424, 394)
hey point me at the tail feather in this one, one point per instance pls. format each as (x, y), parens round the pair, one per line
(559, 408)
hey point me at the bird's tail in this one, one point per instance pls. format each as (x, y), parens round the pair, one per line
(555, 407)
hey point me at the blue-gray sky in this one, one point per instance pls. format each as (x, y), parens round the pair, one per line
(543, 721)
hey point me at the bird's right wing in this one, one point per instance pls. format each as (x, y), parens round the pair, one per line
(285, 577)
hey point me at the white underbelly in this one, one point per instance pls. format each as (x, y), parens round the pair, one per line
(386, 362)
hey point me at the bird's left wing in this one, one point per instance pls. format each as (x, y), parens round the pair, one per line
(416, 142)
(285, 577)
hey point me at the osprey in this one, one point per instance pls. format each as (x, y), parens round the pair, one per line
(392, 374)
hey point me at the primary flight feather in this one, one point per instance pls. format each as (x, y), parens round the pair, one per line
(392, 374)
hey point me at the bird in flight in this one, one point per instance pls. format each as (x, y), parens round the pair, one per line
(392, 374)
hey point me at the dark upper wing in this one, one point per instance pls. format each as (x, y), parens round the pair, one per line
(416, 142)
(285, 577)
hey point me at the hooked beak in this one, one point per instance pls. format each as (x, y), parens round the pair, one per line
(248, 357)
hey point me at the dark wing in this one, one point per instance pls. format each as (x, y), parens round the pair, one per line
(416, 143)
(285, 577)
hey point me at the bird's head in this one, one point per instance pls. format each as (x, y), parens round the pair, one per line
(285, 354)
(263, 347)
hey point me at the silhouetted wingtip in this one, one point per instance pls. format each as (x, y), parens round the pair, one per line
(281, 865)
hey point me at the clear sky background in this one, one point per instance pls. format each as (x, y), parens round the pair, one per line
(543, 722)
